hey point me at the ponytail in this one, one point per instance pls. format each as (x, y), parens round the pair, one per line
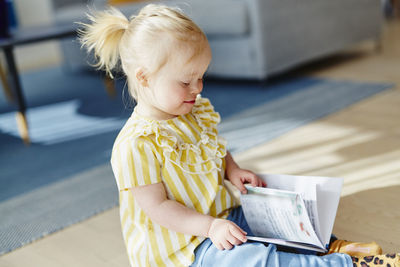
(144, 42)
(103, 37)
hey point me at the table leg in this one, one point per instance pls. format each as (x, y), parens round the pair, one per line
(20, 117)
(6, 86)
(109, 85)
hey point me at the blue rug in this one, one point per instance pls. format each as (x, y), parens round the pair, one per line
(64, 176)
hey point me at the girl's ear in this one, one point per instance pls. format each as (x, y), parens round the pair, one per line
(141, 77)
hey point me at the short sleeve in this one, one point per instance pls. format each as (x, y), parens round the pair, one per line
(135, 163)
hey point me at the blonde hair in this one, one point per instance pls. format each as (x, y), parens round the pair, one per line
(144, 41)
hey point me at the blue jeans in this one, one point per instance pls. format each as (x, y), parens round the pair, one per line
(252, 254)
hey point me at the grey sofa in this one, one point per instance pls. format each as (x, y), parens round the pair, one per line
(255, 39)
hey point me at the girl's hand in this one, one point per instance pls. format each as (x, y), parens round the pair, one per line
(239, 177)
(225, 234)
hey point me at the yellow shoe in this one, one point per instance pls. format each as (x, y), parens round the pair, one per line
(355, 248)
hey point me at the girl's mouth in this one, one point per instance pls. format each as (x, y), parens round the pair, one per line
(190, 102)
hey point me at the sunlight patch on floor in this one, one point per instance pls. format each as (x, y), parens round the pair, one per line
(60, 122)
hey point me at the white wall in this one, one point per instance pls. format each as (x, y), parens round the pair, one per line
(39, 55)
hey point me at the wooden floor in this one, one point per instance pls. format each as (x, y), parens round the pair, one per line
(360, 144)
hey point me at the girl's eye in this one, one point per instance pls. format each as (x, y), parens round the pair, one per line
(186, 84)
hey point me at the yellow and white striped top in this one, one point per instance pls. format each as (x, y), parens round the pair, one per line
(188, 156)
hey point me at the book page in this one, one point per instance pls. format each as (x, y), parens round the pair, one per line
(278, 214)
(322, 207)
(305, 187)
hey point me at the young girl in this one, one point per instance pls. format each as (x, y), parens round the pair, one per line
(168, 160)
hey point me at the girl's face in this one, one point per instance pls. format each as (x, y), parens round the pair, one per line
(173, 90)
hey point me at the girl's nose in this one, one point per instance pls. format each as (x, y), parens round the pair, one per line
(197, 88)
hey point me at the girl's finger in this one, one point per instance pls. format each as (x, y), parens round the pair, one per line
(238, 233)
(233, 240)
(261, 182)
(226, 245)
(239, 185)
(219, 246)
(254, 180)
(235, 226)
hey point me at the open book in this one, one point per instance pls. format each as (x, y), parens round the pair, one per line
(294, 211)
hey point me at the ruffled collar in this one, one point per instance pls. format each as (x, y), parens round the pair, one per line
(209, 150)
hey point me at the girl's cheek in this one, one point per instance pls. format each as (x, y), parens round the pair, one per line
(182, 93)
